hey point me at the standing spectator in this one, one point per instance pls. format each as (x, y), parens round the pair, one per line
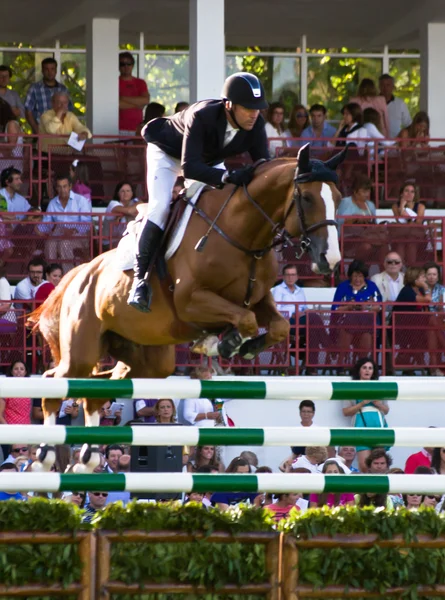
(307, 412)
(422, 458)
(200, 411)
(417, 135)
(26, 288)
(390, 281)
(9, 95)
(57, 224)
(367, 98)
(60, 121)
(144, 409)
(96, 502)
(348, 454)
(133, 96)
(275, 127)
(16, 411)
(120, 211)
(438, 461)
(351, 127)
(319, 127)
(80, 177)
(298, 121)
(331, 467)
(38, 99)
(398, 113)
(53, 275)
(365, 413)
(165, 411)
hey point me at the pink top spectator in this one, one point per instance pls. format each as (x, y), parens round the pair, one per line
(378, 103)
(18, 411)
(82, 189)
(344, 499)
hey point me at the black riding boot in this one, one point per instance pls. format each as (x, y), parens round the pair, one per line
(140, 295)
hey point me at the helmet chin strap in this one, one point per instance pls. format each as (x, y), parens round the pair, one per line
(232, 114)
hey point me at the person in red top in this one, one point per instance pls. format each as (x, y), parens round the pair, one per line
(284, 505)
(133, 95)
(16, 411)
(54, 273)
(422, 458)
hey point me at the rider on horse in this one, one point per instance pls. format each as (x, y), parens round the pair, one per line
(196, 141)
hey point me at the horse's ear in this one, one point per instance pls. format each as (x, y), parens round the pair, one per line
(304, 165)
(336, 160)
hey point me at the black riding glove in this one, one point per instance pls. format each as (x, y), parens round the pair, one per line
(241, 176)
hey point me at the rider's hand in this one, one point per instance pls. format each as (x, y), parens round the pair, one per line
(241, 176)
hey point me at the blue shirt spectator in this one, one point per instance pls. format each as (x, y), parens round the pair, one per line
(144, 409)
(318, 127)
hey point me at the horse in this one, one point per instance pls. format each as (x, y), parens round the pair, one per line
(220, 281)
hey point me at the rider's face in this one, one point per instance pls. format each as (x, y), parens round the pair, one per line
(245, 117)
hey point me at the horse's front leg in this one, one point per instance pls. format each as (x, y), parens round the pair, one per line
(206, 307)
(277, 328)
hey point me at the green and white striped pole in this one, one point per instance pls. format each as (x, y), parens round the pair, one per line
(283, 388)
(164, 435)
(186, 482)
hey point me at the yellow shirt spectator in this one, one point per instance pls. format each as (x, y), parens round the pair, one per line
(60, 121)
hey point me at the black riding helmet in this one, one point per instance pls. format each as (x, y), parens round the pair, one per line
(244, 89)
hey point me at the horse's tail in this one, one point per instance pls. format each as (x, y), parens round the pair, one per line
(46, 318)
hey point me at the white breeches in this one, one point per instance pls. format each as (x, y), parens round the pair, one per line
(162, 172)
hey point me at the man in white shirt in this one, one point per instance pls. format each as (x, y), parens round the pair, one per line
(398, 113)
(26, 289)
(288, 291)
(70, 218)
(390, 281)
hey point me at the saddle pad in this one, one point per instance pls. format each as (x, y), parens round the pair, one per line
(126, 248)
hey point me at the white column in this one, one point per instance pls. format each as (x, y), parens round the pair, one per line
(102, 44)
(432, 86)
(207, 49)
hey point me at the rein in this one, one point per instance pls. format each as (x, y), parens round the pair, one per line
(279, 232)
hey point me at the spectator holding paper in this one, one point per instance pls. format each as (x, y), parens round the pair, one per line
(59, 120)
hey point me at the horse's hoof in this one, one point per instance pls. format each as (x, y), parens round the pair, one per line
(250, 349)
(207, 345)
(230, 344)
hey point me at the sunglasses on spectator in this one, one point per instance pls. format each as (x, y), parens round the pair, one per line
(436, 498)
(104, 494)
(125, 64)
(301, 115)
(393, 262)
(23, 449)
(82, 495)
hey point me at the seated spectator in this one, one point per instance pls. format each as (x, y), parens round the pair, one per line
(144, 409)
(367, 97)
(251, 458)
(223, 500)
(416, 135)
(8, 95)
(96, 502)
(431, 501)
(113, 453)
(200, 411)
(422, 458)
(314, 457)
(15, 451)
(77, 498)
(26, 288)
(107, 418)
(409, 208)
(318, 128)
(180, 106)
(8, 317)
(331, 467)
(80, 177)
(11, 184)
(412, 501)
(69, 410)
(119, 212)
(133, 95)
(375, 500)
(284, 504)
(165, 411)
(298, 121)
(16, 411)
(398, 113)
(39, 96)
(53, 276)
(197, 497)
(378, 462)
(351, 127)
(289, 291)
(275, 128)
(11, 133)
(153, 110)
(366, 413)
(59, 120)
(72, 229)
(354, 323)
(359, 204)
(390, 281)
(205, 456)
(348, 454)
(9, 468)
(438, 461)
